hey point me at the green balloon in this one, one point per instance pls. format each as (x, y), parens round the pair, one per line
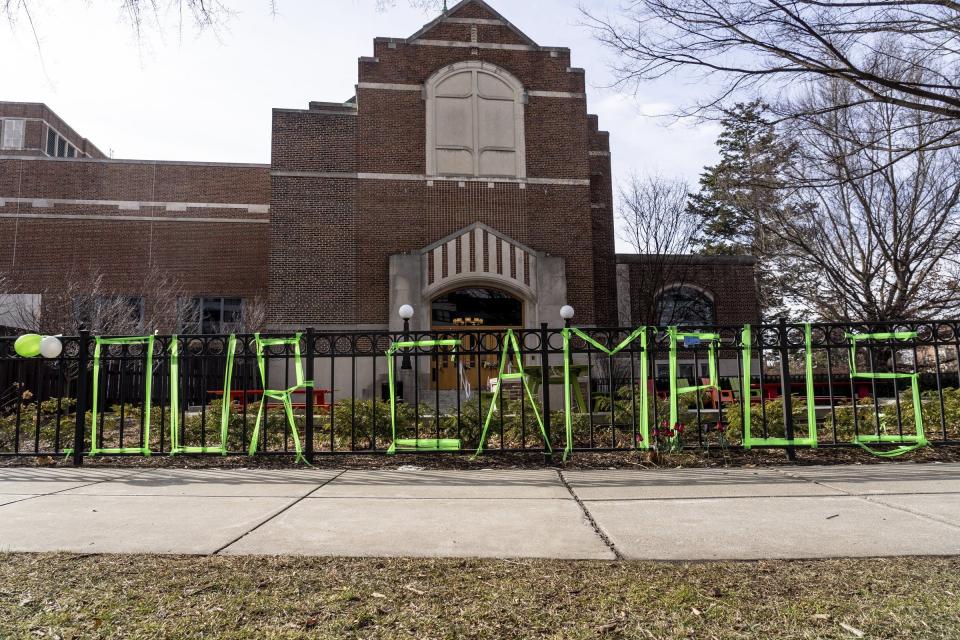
(28, 345)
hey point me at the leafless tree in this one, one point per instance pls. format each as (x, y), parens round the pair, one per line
(655, 222)
(204, 15)
(86, 299)
(772, 47)
(874, 240)
(653, 215)
(424, 5)
(255, 312)
(7, 297)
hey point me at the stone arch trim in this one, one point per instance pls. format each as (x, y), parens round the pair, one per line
(679, 284)
(478, 65)
(521, 294)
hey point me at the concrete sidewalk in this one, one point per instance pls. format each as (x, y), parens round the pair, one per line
(693, 514)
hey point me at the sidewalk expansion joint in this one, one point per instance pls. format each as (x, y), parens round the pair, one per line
(877, 500)
(277, 514)
(589, 516)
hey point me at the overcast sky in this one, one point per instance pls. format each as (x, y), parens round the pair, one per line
(208, 97)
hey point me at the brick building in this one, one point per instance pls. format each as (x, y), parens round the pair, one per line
(466, 177)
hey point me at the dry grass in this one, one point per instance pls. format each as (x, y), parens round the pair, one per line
(66, 596)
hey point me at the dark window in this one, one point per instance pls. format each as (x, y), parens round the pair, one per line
(232, 314)
(685, 371)
(477, 307)
(135, 309)
(71, 152)
(61, 148)
(210, 315)
(51, 142)
(685, 306)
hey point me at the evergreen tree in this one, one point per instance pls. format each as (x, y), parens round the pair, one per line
(739, 194)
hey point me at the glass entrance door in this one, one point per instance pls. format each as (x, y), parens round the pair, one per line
(473, 308)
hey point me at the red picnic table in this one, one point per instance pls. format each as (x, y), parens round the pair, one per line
(772, 391)
(319, 397)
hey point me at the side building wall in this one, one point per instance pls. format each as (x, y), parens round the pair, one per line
(313, 262)
(729, 281)
(204, 225)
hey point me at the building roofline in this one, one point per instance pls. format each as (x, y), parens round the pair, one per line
(338, 109)
(27, 104)
(134, 161)
(445, 16)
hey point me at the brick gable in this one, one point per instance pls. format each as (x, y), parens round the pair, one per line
(562, 208)
(474, 9)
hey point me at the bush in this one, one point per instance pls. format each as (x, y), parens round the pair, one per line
(688, 431)
(771, 427)
(930, 410)
(38, 426)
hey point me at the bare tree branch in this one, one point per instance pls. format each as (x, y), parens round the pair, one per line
(426, 6)
(871, 239)
(85, 298)
(775, 47)
(205, 15)
(653, 215)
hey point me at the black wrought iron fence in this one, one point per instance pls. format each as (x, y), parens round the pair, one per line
(885, 387)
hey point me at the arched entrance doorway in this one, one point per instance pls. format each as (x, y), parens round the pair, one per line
(478, 307)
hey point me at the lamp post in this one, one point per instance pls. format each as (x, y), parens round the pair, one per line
(406, 312)
(567, 312)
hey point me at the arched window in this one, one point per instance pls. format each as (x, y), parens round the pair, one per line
(475, 122)
(682, 305)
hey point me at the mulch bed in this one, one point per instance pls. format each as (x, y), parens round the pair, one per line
(715, 458)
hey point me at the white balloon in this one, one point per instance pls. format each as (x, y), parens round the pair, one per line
(50, 347)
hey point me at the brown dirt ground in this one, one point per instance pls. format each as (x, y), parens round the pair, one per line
(715, 458)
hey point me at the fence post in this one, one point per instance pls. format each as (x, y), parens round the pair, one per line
(786, 388)
(545, 384)
(81, 419)
(310, 397)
